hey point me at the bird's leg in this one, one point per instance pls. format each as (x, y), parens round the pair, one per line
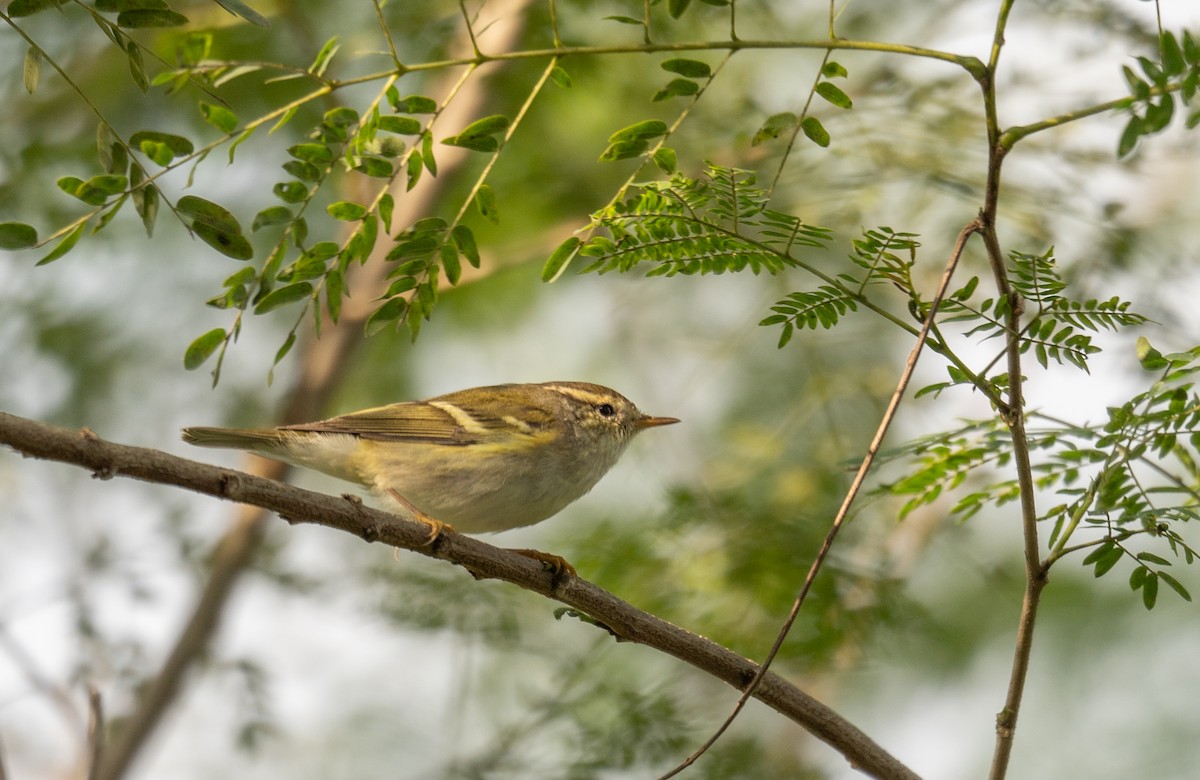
(559, 566)
(436, 527)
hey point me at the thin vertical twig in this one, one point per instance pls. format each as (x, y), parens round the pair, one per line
(470, 29)
(95, 733)
(843, 512)
(554, 24)
(387, 35)
(787, 150)
(481, 179)
(1012, 413)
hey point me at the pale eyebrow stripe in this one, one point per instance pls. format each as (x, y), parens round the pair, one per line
(578, 394)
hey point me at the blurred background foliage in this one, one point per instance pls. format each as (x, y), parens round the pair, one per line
(339, 660)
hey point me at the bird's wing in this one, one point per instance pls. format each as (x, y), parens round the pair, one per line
(431, 422)
(414, 421)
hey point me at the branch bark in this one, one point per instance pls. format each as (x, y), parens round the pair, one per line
(484, 561)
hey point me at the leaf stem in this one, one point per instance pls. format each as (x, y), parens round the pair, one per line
(812, 90)
(971, 64)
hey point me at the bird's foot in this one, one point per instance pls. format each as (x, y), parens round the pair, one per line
(556, 564)
(436, 527)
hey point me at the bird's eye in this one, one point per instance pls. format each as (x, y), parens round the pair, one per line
(606, 410)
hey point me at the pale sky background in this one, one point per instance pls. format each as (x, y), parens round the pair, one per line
(317, 651)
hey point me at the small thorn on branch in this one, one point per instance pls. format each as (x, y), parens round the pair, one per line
(105, 472)
(229, 485)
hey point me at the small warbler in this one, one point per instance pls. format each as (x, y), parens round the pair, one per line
(484, 459)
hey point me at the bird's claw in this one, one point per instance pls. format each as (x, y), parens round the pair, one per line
(556, 564)
(436, 527)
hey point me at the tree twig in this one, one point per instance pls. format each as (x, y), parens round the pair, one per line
(1013, 414)
(95, 733)
(843, 512)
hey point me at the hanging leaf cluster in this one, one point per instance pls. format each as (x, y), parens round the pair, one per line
(881, 255)
(1055, 327)
(1154, 90)
(1129, 484)
(714, 224)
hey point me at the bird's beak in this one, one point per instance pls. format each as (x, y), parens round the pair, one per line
(654, 422)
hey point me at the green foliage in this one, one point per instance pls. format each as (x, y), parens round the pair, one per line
(363, 139)
(815, 131)
(31, 71)
(822, 307)
(710, 225)
(216, 226)
(343, 140)
(693, 69)
(945, 460)
(65, 244)
(430, 247)
(876, 253)
(161, 148)
(789, 123)
(203, 347)
(1119, 493)
(718, 222)
(17, 235)
(1055, 328)
(1134, 478)
(832, 93)
(19, 8)
(1175, 76)
(776, 125)
(634, 140)
(238, 8)
(480, 135)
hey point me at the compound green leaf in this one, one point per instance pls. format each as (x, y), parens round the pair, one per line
(283, 296)
(834, 95)
(815, 131)
(65, 245)
(202, 348)
(346, 211)
(238, 8)
(559, 259)
(17, 235)
(219, 117)
(150, 18)
(775, 125)
(693, 69)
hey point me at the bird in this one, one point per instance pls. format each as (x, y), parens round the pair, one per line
(480, 460)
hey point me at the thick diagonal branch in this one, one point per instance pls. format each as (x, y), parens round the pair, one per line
(107, 460)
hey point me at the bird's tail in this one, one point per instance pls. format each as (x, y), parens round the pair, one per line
(260, 439)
